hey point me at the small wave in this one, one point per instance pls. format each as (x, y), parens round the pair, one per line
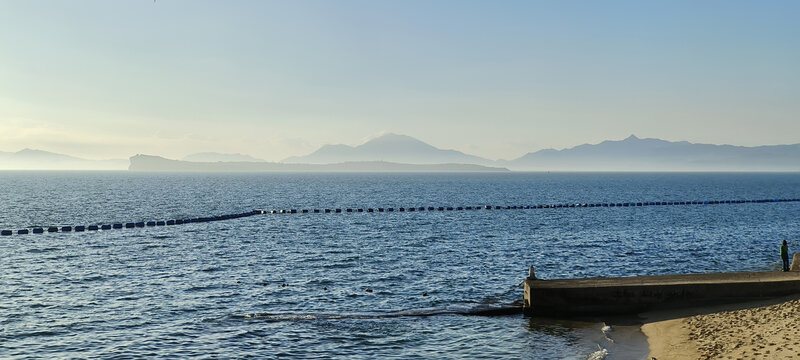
(154, 246)
(42, 250)
(63, 257)
(502, 310)
(205, 287)
(600, 354)
(86, 279)
(35, 334)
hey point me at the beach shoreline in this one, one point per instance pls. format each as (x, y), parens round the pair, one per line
(763, 329)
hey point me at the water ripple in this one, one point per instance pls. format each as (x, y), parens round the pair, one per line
(297, 285)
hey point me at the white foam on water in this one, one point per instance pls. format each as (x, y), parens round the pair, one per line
(600, 354)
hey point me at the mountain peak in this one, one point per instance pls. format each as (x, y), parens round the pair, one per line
(388, 147)
(651, 154)
(393, 138)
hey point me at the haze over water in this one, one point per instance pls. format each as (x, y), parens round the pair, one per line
(296, 284)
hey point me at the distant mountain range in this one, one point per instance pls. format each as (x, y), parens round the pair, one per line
(28, 159)
(217, 157)
(394, 152)
(635, 154)
(390, 147)
(630, 154)
(157, 163)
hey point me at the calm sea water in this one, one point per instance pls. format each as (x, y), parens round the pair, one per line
(296, 285)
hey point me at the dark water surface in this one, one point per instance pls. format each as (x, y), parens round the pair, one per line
(296, 285)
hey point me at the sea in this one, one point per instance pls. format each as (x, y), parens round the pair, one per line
(357, 285)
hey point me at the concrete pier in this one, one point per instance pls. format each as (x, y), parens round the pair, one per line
(628, 295)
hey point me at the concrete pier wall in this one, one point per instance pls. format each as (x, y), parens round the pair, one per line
(580, 297)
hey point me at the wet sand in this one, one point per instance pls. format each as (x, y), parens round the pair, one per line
(765, 329)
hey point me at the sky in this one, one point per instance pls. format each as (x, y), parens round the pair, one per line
(109, 79)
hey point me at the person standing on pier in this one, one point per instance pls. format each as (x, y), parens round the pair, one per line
(785, 255)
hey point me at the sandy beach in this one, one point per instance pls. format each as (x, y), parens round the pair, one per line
(757, 330)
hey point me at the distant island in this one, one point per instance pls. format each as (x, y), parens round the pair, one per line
(389, 147)
(635, 154)
(393, 152)
(157, 163)
(31, 159)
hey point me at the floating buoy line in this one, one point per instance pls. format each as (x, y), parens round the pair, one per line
(141, 224)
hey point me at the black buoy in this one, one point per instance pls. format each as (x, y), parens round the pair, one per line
(337, 211)
(390, 210)
(440, 208)
(117, 226)
(412, 209)
(305, 211)
(369, 210)
(80, 228)
(66, 228)
(380, 209)
(170, 222)
(6, 232)
(22, 232)
(180, 221)
(401, 209)
(93, 228)
(316, 211)
(327, 211)
(139, 224)
(151, 223)
(106, 227)
(130, 225)
(430, 208)
(52, 229)
(160, 223)
(359, 210)
(38, 231)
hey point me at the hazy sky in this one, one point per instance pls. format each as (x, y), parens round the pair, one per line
(109, 79)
